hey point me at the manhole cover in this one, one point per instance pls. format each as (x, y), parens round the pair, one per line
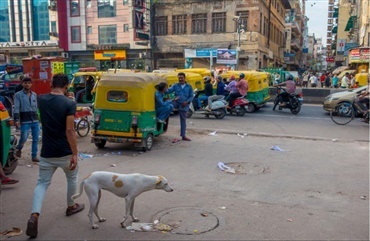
(248, 168)
(188, 220)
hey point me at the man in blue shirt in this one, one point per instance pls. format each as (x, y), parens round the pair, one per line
(184, 95)
(220, 92)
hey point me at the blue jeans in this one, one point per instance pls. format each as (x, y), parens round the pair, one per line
(200, 99)
(47, 167)
(35, 131)
(164, 112)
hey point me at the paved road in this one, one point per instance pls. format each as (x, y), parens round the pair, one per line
(311, 191)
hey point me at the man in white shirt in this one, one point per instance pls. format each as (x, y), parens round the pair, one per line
(344, 81)
(313, 81)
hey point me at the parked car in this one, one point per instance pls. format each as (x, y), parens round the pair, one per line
(341, 97)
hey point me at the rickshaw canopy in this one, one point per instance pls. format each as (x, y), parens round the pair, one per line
(127, 91)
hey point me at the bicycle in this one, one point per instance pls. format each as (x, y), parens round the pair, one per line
(344, 113)
(82, 124)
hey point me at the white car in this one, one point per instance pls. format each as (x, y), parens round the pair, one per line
(341, 97)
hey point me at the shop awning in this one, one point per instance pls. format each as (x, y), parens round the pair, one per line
(350, 23)
(336, 13)
(335, 29)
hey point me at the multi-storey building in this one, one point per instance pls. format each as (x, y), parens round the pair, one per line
(152, 33)
(192, 31)
(24, 30)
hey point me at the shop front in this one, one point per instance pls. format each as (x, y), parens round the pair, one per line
(358, 58)
(105, 58)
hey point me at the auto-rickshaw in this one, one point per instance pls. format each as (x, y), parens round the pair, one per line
(258, 87)
(362, 78)
(124, 110)
(8, 142)
(81, 88)
(194, 79)
(202, 71)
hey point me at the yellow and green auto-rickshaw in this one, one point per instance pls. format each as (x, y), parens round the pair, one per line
(124, 110)
(362, 79)
(202, 71)
(194, 79)
(82, 85)
(258, 87)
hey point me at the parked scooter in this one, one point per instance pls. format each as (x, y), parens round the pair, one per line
(8, 142)
(218, 108)
(238, 106)
(293, 103)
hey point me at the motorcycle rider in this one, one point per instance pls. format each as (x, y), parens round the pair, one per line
(208, 91)
(284, 96)
(242, 87)
(219, 93)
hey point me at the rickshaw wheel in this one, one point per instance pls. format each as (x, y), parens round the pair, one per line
(101, 144)
(250, 108)
(10, 167)
(83, 127)
(189, 113)
(148, 142)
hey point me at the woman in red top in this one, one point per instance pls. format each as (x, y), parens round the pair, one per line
(242, 86)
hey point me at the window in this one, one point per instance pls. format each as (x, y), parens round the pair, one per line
(89, 30)
(265, 25)
(74, 8)
(218, 22)
(88, 3)
(108, 34)
(199, 23)
(75, 34)
(161, 25)
(106, 9)
(261, 20)
(53, 26)
(125, 28)
(179, 24)
(125, 2)
(244, 19)
(117, 96)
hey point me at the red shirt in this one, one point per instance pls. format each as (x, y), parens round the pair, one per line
(242, 86)
(322, 78)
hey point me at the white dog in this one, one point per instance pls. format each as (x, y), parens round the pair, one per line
(128, 186)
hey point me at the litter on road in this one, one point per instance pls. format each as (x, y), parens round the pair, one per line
(225, 168)
(213, 133)
(276, 148)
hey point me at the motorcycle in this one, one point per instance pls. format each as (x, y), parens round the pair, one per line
(218, 108)
(294, 101)
(238, 106)
(8, 142)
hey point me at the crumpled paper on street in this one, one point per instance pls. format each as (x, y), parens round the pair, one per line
(225, 168)
(276, 148)
(149, 227)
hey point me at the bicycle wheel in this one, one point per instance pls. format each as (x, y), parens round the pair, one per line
(342, 114)
(83, 127)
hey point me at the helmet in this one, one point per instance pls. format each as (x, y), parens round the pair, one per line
(241, 76)
(207, 79)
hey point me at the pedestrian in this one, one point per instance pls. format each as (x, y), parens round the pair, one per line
(352, 80)
(313, 81)
(19, 86)
(283, 97)
(305, 80)
(25, 117)
(163, 108)
(207, 92)
(335, 81)
(322, 79)
(328, 80)
(59, 148)
(344, 82)
(183, 96)
(242, 86)
(5, 180)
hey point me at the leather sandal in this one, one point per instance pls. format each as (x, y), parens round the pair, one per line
(8, 181)
(79, 207)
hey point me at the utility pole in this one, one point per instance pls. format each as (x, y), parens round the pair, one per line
(152, 35)
(239, 29)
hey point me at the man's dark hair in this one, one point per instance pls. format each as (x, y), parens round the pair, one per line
(26, 79)
(161, 86)
(59, 81)
(181, 74)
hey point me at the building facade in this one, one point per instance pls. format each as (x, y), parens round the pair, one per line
(145, 34)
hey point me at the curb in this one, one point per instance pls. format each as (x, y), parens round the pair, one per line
(261, 134)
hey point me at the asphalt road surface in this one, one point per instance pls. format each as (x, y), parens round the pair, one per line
(317, 188)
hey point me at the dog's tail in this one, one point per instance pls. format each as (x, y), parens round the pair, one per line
(81, 190)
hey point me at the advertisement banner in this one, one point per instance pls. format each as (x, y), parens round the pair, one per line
(109, 54)
(340, 46)
(200, 53)
(226, 56)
